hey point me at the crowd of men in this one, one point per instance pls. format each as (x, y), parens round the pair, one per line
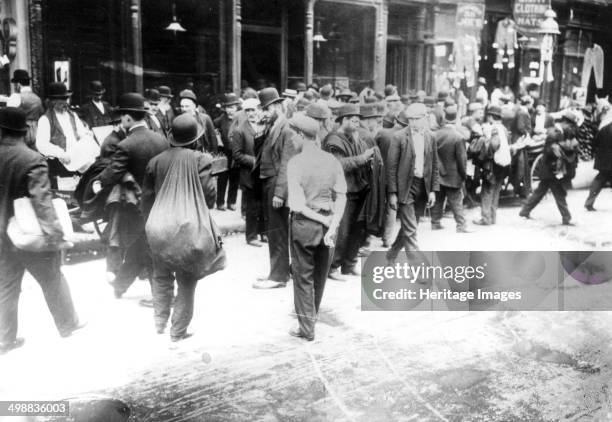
(322, 173)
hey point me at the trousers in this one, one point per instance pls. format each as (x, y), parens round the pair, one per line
(455, 201)
(253, 213)
(45, 268)
(593, 62)
(489, 199)
(390, 219)
(228, 180)
(409, 214)
(351, 232)
(163, 292)
(310, 262)
(135, 261)
(597, 185)
(277, 229)
(559, 193)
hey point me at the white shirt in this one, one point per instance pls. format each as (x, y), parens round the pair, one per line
(43, 134)
(15, 99)
(418, 142)
(99, 105)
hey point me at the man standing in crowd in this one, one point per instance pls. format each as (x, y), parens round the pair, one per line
(272, 160)
(452, 161)
(227, 180)
(370, 123)
(354, 156)
(412, 175)
(132, 156)
(473, 127)
(165, 112)
(602, 149)
(96, 112)
(59, 129)
(317, 195)
(28, 101)
(495, 160)
(185, 134)
(189, 104)
(25, 174)
(322, 114)
(152, 99)
(243, 152)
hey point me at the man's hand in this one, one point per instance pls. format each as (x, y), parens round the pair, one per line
(96, 186)
(393, 201)
(330, 236)
(369, 153)
(431, 200)
(277, 202)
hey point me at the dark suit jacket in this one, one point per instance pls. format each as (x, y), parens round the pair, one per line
(275, 153)
(132, 155)
(91, 115)
(452, 157)
(521, 125)
(208, 142)
(602, 146)
(383, 140)
(243, 152)
(223, 124)
(348, 152)
(25, 173)
(400, 169)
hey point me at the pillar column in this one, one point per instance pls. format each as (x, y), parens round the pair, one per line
(308, 47)
(380, 45)
(137, 65)
(284, 56)
(222, 47)
(36, 46)
(236, 45)
(420, 56)
(20, 14)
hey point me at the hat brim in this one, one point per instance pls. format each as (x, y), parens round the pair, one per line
(102, 91)
(174, 143)
(120, 109)
(369, 116)
(14, 80)
(277, 100)
(347, 115)
(60, 97)
(230, 104)
(21, 130)
(494, 114)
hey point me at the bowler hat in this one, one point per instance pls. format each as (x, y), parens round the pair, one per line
(132, 101)
(450, 114)
(58, 90)
(369, 111)
(152, 96)
(230, 99)
(185, 130)
(429, 101)
(370, 99)
(268, 96)
(354, 99)
(96, 88)
(164, 91)
(442, 95)
(389, 120)
(20, 75)
(300, 87)
(189, 94)
(390, 90)
(13, 118)
(494, 111)
(413, 96)
(318, 111)
(348, 110)
(345, 93)
(307, 125)
(291, 93)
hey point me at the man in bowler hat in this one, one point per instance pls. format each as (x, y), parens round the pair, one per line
(132, 156)
(228, 180)
(271, 162)
(96, 112)
(28, 101)
(25, 174)
(165, 111)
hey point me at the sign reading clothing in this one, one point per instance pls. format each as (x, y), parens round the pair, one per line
(528, 14)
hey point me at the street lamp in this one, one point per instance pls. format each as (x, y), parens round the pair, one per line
(318, 36)
(175, 25)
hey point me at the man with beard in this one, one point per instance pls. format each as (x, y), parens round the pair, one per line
(271, 161)
(28, 101)
(228, 180)
(165, 112)
(354, 156)
(189, 104)
(96, 112)
(412, 175)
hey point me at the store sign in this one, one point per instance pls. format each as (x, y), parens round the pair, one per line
(470, 18)
(528, 15)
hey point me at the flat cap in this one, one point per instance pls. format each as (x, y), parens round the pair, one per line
(307, 125)
(318, 110)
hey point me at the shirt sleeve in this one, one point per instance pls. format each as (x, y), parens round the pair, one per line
(43, 139)
(14, 100)
(340, 180)
(296, 199)
(80, 127)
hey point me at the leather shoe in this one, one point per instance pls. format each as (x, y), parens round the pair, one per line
(336, 275)
(590, 208)
(568, 223)
(437, 226)
(524, 215)
(183, 337)
(255, 243)
(297, 333)
(481, 223)
(70, 331)
(264, 238)
(15, 344)
(464, 230)
(268, 284)
(146, 303)
(352, 271)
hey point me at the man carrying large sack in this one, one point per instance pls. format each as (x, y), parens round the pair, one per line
(178, 190)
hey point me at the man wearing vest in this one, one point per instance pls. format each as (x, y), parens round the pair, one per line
(96, 112)
(59, 129)
(165, 112)
(29, 102)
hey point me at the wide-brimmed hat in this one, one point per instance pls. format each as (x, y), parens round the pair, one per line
(348, 110)
(307, 125)
(164, 91)
(152, 96)
(291, 93)
(318, 111)
(369, 111)
(20, 75)
(345, 93)
(230, 99)
(13, 118)
(269, 96)
(494, 111)
(185, 130)
(189, 94)
(58, 90)
(132, 101)
(96, 88)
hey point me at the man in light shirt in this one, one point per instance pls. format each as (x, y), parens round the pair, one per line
(59, 130)
(28, 101)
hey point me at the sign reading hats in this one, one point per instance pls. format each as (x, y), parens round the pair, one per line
(185, 130)
(58, 91)
(269, 96)
(528, 15)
